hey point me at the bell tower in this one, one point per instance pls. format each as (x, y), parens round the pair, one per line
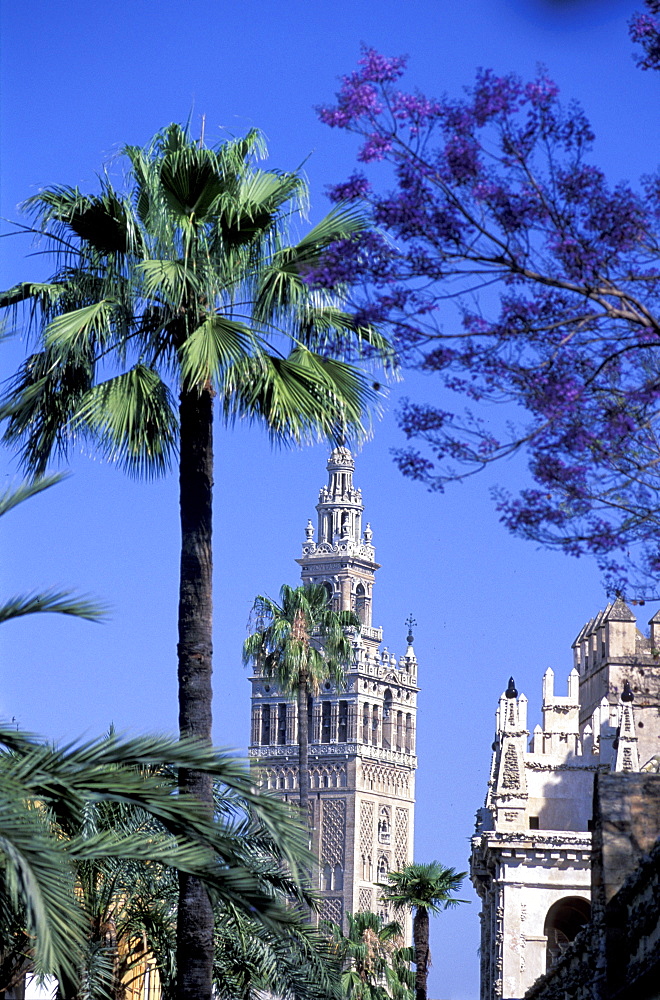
(342, 557)
(362, 737)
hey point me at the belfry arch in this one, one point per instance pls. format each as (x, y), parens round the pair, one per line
(563, 921)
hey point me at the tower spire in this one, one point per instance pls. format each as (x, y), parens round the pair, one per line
(342, 558)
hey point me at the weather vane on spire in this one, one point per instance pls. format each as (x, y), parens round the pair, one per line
(410, 622)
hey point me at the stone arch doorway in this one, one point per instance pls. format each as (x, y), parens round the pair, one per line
(562, 922)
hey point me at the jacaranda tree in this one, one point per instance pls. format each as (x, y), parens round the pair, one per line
(185, 284)
(496, 207)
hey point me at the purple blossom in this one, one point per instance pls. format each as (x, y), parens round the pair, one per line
(645, 31)
(375, 147)
(378, 68)
(541, 92)
(497, 191)
(356, 99)
(357, 186)
(461, 156)
(495, 95)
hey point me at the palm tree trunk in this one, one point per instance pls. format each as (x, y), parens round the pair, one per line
(421, 945)
(195, 914)
(303, 752)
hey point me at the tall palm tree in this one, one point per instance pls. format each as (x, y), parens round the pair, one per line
(423, 889)
(301, 643)
(186, 284)
(375, 964)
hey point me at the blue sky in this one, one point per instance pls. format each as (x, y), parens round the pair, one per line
(80, 80)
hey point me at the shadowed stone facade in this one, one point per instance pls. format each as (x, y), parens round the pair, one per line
(362, 739)
(532, 853)
(617, 955)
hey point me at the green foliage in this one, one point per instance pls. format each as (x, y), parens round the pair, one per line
(376, 965)
(301, 639)
(186, 280)
(430, 887)
(90, 839)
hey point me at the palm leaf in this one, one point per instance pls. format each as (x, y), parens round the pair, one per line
(132, 418)
(212, 348)
(61, 602)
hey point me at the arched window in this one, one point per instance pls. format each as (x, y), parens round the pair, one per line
(326, 718)
(563, 921)
(387, 720)
(410, 748)
(365, 723)
(360, 602)
(326, 878)
(342, 722)
(374, 726)
(327, 586)
(383, 867)
(399, 730)
(281, 724)
(265, 725)
(338, 878)
(384, 826)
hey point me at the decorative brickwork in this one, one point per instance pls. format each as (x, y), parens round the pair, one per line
(331, 909)
(401, 837)
(334, 832)
(366, 827)
(365, 902)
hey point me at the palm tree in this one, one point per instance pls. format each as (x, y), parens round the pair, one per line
(423, 889)
(296, 963)
(375, 964)
(88, 833)
(301, 643)
(185, 284)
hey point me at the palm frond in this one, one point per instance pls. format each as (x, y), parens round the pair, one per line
(212, 348)
(62, 602)
(132, 418)
(16, 495)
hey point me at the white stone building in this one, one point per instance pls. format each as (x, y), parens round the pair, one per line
(531, 854)
(362, 738)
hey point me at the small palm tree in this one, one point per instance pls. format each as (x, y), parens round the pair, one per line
(375, 964)
(301, 643)
(423, 889)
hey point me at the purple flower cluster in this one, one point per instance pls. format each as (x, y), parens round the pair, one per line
(355, 188)
(645, 31)
(497, 190)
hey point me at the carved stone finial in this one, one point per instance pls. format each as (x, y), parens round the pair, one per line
(368, 534)
(309, 531)
(511, 691)
(627, 694)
